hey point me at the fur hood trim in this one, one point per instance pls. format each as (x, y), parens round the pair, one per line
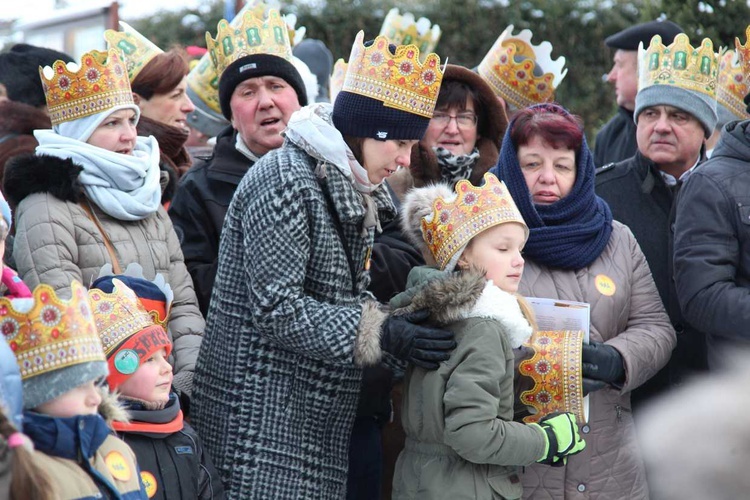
(415, 206)
(111, 408)
(29, 174)
(20, 118)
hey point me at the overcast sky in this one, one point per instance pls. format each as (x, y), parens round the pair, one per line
(129, 9)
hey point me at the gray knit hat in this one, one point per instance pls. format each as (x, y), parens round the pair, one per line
(698, 104)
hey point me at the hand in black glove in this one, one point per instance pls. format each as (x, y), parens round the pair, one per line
(406, 339)
(590, 385)
(603, 362)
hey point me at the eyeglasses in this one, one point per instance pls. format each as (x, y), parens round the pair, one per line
(463, 120)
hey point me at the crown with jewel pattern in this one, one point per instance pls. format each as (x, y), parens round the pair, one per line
(251, 35)
(679, 65)
(98, 84)
(404, 30)
(454, 222)
(733, 84)
(138, 49)
(521, 73)
(337, 78)
(47, 333)
(399, 80)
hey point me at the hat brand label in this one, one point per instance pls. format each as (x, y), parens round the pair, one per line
(382, 135)
(246, 67)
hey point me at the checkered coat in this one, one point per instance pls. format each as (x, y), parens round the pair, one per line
(278, 378)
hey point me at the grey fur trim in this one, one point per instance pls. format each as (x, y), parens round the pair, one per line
(451, 298)
(367, 350)
(111, 408)
(417, 204)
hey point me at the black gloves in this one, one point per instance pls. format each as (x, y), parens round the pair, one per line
(602, 365)
(407, 340)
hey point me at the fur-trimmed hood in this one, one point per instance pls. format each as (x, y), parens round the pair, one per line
(451, 297)
(111, 408)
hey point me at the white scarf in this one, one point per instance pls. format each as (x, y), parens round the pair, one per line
(123, 186)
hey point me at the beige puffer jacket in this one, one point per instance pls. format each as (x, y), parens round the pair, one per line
(56, 242)
(633, 321)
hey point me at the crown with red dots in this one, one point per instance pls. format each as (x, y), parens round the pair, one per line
(98, 84)
(399, 80)
(733, 85)
(453, 222)
(47, 333)
(521, 73)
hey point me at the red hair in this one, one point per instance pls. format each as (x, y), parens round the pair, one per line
(162, 74)
(551, 123)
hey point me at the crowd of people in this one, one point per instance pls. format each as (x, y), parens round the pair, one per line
(263, 275)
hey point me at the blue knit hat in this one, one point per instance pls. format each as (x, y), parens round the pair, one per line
(5, 211)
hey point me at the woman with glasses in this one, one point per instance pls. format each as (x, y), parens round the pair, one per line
(462, 138)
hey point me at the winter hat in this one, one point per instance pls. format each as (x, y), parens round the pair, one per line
(630, 38)
(55, 342)
(19, 72)
(5, 211)
(319, 59)
(11, 387)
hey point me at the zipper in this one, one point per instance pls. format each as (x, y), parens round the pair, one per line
(619, 409)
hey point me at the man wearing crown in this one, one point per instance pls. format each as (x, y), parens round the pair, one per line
(675, 112)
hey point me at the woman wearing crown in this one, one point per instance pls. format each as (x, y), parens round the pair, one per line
(91, 196)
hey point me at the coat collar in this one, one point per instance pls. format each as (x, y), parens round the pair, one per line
(227, 164)
(71, 438)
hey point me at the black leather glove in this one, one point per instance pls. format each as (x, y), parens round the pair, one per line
(590, 385)
(603, 362)
(406, 339)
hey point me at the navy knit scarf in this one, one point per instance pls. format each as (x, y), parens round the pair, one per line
(570, 233)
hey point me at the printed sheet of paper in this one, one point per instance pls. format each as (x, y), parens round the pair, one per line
(554, 314)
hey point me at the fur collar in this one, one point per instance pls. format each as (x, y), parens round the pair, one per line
(20, 118)
(112, 409)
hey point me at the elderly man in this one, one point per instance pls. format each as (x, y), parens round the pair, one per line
(616, 140)
(673, 119)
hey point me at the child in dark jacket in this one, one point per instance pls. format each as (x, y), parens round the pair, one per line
(170, 454)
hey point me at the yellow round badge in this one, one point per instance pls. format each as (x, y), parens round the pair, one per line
(118, 466)
(149, 482)
(605, 285)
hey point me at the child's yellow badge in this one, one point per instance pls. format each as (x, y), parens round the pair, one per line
(605, 285)
(149, 482)
(118, 466)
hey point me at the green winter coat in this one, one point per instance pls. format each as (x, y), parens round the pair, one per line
(461, 442)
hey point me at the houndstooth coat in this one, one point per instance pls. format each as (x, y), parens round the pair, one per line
(278, 378)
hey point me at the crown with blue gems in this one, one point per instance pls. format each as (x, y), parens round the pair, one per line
(405, 30)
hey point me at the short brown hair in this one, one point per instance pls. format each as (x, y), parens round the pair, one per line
(162, 73)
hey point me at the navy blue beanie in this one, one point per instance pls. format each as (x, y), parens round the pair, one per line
(361, 116)
(143, 288)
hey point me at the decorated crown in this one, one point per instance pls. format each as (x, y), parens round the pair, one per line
(158, 311)
(204, 81)
(251, 35)
(138, 49)
(521, 73)
(454, 222)
(397, 80)
(337, 78)
(679, 65)
(47, 333)
(404, 30)
(98, 84)
(733, 85)
(260, 9)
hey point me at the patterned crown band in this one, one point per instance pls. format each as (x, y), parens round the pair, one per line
(138, 49)
(397, 80)
(98, 84)
(743, 54)
(453, 223)
(679, 65)
(733, 86)
(47, 333)
(404, 30)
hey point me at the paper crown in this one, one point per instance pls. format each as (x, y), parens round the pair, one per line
(249, 36)
(138, 49)
(521, 73)
(98, 84)
(399, 80)
(732, 87)
(47, 333)
(337, 79)
(158, 310)
(679, 65)
(404, 30)
(454, 222)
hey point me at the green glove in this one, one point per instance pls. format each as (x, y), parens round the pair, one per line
(562, 438)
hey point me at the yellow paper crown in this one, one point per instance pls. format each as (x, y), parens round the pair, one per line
(454, 222)
(679, 65)
(47, 333)
(337, 79)
(251, 35)
(98, 84)
(521, 73)
(404, 30)
(733, 85)
(399, 80)
(138, 49)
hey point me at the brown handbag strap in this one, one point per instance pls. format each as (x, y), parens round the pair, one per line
(107, 244)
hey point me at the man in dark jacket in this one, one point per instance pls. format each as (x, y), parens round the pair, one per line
(672, 125)
(616, 139)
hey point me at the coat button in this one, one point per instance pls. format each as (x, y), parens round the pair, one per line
(581, 487)
(585, 429)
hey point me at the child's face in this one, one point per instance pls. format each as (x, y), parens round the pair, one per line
(83, 400)
(498, 251)
(152, 381)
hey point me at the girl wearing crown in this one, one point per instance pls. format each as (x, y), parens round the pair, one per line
(91, 195)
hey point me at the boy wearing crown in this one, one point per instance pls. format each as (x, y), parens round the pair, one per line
(61, 361)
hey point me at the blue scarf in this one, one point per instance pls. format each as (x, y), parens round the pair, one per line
(570, 233)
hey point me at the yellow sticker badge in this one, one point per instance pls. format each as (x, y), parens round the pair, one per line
(605, 285)
(149, 482)
(118, 466)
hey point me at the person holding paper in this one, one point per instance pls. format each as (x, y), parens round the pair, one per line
(575, 251)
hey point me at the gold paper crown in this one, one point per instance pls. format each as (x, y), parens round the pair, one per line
(337, 79)
(47, 333)
(138, 49)
(404, 30)
(204, 81)
(454, 222)
(679, 65)
(98, 84)
(251, 35)
(521, 73)
(733, 85)
(397, 80)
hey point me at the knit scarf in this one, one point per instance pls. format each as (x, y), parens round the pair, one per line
(570, 233)
(454, 168)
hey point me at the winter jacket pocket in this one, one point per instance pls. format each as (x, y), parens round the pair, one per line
(744, 213)
(505, 483)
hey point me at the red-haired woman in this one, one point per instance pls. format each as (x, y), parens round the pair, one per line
(575, 251)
